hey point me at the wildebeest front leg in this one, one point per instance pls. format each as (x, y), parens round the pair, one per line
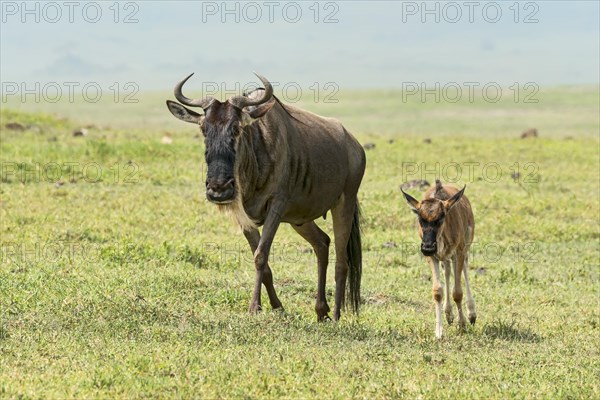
(447, 303)
(261, 254)
(320, 244)
(253, 237)
(437, 293)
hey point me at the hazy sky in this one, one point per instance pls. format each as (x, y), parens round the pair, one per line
(355, 44)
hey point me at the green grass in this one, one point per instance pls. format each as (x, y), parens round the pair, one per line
(558, 113)
(121, 281)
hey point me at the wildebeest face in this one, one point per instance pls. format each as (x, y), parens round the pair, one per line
(431, 213)
(221, 128)
(431, 219)
(222, 125)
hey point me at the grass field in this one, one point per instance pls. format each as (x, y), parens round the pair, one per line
(119, 280)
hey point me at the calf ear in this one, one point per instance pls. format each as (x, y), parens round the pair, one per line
(412, 202)
(248, 117)
(183, 113)
(454, 199)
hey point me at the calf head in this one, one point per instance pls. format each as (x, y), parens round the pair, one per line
(431, 213)
(222, 124)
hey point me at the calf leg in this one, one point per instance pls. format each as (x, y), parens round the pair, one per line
(253, 238)
(457, 294)
(447, 303)
(320, 244)
(470, 301)
(261, 254)
(438, 293)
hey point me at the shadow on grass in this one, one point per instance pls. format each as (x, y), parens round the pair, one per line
(288, 327)
(510, 331)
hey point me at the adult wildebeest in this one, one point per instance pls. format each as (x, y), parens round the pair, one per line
(270, 163)
(446, 228)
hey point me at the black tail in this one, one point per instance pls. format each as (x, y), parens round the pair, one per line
(354, 252)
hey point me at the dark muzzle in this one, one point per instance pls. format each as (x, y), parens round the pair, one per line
(428, 249)
(220, 192)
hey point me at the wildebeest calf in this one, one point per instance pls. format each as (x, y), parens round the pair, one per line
(446, 227)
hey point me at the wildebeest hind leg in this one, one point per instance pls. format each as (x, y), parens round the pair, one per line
(342, 215)
(320, 244)
(470, 301)
(457, 293)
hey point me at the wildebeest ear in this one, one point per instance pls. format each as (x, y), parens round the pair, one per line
(183, 113)
(454, 199)
(412, 202)
(248, 117)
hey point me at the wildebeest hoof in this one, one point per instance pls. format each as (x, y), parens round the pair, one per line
(322, 309)
(254, 308)
(472, 319)
(324, 318)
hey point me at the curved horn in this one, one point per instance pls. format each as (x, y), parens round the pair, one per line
(242, 101)
(190, 102)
